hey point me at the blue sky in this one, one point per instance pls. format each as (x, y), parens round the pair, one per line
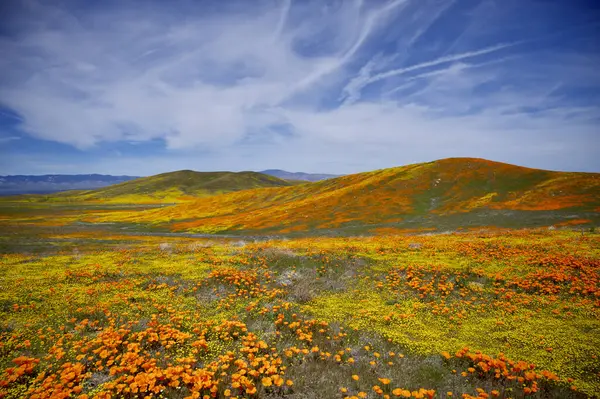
(128, 87)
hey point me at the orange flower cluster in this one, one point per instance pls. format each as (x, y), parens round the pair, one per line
(564, 274)
(428, 282)
(140, 364)
(25, 366)
(503, 370)
(245, 285)
(446, 294)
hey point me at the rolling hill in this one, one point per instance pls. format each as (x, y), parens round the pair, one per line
(170, 187)
(450, 192)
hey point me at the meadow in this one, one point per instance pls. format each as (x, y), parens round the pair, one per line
(477, 314)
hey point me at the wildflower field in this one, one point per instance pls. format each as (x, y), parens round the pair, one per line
(497, 314)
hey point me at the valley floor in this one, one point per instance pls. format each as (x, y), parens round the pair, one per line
(508, 314)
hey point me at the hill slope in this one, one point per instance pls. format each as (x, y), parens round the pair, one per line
(173, 186)
(467, 190)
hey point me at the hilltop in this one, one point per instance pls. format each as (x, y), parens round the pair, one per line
(170, 187)
(455, 192)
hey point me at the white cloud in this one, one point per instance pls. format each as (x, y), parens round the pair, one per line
(370, 22)
(225, 81)
(363, 80)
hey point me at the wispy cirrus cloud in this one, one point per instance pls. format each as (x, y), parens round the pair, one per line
(364, 78)
(300, 85)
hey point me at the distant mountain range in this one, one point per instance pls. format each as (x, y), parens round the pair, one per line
(29, 184)
(46, 184)
(282, 174)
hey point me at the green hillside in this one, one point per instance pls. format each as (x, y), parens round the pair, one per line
(168, 187)
(453, 192)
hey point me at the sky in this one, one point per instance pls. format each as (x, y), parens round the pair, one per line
(143, 87)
